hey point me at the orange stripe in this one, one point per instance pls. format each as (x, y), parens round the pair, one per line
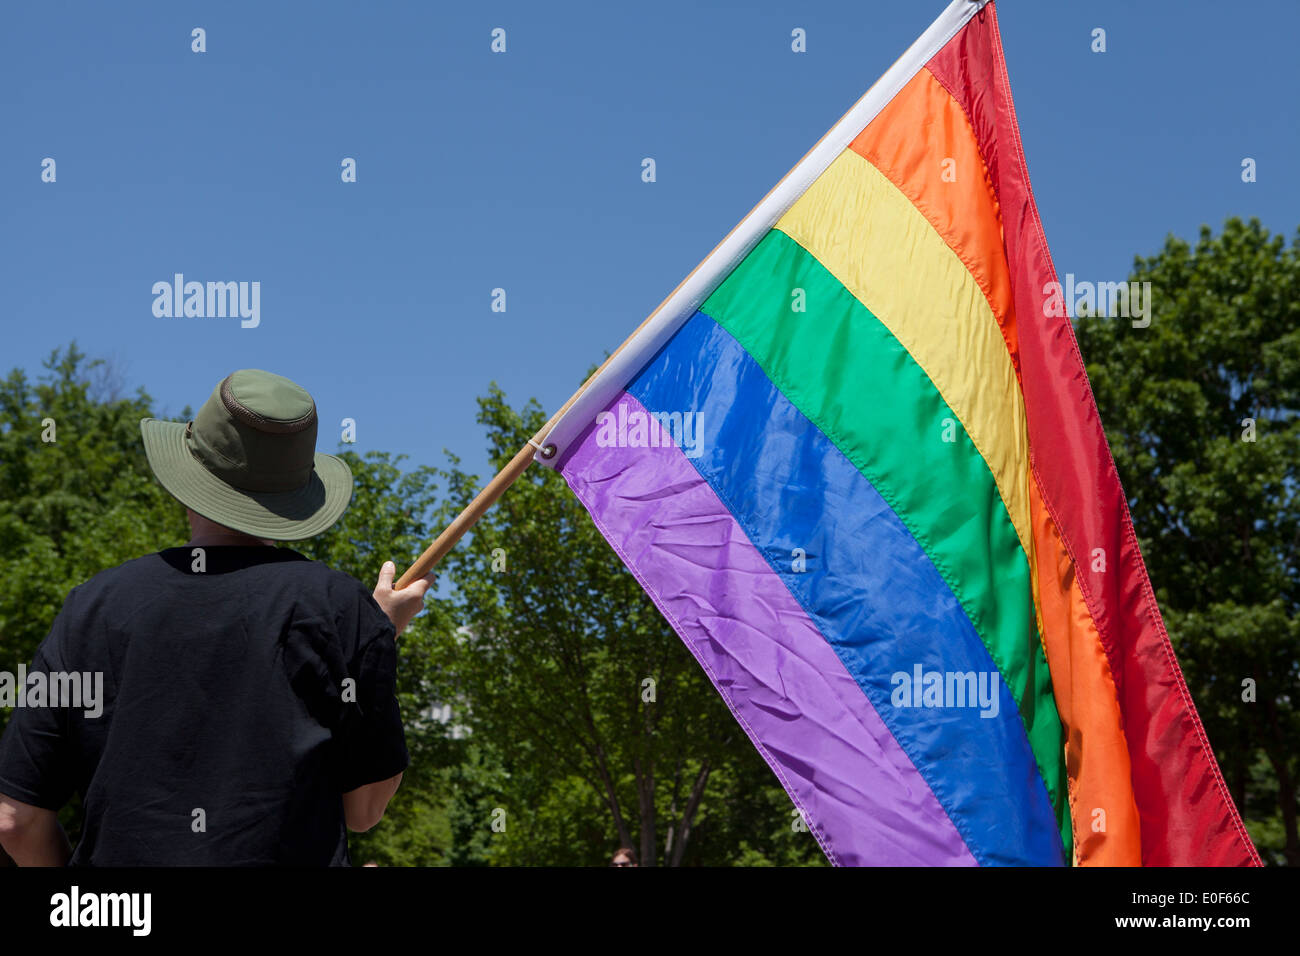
(1096, 753)
(910, 142)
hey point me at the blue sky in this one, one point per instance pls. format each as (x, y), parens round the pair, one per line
(522, 170)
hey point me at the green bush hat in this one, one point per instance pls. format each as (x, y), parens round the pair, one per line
(248, 459)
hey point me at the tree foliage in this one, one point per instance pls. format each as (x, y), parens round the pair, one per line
(78, 495)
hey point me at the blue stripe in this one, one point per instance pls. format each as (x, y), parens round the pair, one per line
(867, 585)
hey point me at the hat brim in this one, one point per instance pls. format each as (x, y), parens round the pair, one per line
(280, 516)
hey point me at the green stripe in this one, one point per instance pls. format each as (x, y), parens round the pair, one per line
(845, 371)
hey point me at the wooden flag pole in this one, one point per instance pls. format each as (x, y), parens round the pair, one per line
(949, 21)
(484, 500)
(467, 518)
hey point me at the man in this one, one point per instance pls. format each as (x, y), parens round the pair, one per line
(248, 708)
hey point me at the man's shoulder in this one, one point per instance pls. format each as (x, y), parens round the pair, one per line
(355, 610)
(343, 591)
(147, 567)
(338, 582)
(108, 595)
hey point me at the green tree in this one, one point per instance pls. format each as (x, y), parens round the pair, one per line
(606, 729)
(1201, 412)
(78, 495)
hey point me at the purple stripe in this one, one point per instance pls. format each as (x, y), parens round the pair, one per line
(861, 795)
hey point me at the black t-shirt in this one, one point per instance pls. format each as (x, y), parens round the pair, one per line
(240, 699)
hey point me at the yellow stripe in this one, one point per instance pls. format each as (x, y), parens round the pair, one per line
(881, 248)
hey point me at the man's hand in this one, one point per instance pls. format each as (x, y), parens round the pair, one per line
(401, 606)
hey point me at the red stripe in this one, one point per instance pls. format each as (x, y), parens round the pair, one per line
(1187, 816)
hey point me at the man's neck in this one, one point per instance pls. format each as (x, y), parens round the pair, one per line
(207, 533)
(216, 539)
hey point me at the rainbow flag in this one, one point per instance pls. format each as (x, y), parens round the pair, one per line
(855, 460)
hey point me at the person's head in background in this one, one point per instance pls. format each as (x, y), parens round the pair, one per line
(623, 856)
